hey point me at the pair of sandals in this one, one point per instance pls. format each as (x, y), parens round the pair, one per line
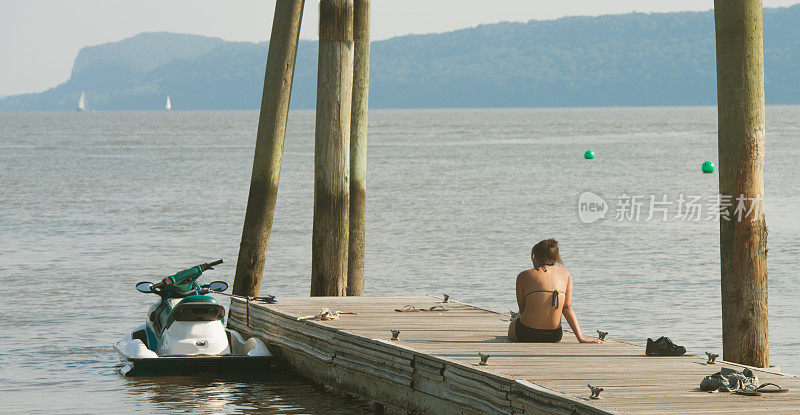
(764, 388)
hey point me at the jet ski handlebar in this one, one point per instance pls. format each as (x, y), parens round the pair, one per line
(209, 265)
(165, 281)
(193, 272)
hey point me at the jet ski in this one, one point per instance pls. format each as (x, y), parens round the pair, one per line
(185, 333)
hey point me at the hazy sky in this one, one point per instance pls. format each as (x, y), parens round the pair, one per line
(39, 39)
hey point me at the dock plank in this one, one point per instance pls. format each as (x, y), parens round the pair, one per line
(436, 360)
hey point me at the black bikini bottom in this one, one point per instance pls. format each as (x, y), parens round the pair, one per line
(529, 335)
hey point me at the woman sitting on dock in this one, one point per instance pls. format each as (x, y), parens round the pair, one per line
(544, 293)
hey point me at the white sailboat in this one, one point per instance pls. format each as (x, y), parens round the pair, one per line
(168, 107)
(82, 102)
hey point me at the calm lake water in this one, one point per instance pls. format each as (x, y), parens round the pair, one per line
(92, 203)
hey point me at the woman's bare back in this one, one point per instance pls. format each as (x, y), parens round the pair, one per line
(541, 295)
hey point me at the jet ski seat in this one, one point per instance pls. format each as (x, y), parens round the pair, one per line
(196, 308)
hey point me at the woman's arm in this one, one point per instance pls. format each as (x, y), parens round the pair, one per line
(572, 319)
(520, 293)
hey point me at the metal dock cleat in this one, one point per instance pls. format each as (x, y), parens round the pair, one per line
(484, 359)
(395, 333)
(712, 358)
(595, 392)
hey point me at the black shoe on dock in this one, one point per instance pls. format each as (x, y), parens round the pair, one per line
(663, 347)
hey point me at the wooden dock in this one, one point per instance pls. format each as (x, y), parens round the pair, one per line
(433, 367)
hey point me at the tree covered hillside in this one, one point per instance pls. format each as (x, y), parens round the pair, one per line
(631, 59)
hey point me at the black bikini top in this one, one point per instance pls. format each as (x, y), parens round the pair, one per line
(554, 292)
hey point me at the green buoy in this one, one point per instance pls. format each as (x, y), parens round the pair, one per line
(589, 154)
(708, 167)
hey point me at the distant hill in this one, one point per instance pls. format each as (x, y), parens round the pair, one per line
(631, 59)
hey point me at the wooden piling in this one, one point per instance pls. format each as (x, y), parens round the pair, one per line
(358, 149)
(741, 139)
(269, 146)
(332, 149)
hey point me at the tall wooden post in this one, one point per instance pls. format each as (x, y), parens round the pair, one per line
(269, 146)
(332, 149)
(743, 238)
(358, 149)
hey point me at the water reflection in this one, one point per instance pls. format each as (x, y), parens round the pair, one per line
(279, 392)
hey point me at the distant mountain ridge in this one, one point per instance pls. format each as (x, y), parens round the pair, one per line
(631, 59)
